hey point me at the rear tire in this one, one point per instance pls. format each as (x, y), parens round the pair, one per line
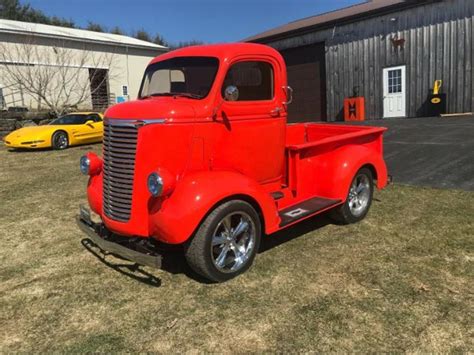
(359, 199)
(226, 242)
(59, 141)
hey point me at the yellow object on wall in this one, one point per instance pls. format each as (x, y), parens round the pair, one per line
(437, 86)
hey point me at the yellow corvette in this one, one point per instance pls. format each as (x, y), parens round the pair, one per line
(71, 129)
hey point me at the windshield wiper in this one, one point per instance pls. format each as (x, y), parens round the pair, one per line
(183, 94)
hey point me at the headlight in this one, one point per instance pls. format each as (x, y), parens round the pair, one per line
(90, 164)
(155, 184)
(84, 164)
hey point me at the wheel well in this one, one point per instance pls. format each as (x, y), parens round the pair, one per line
(60, 130)
(372, 170)
(250, 200)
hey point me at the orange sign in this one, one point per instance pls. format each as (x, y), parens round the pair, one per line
(354, 109)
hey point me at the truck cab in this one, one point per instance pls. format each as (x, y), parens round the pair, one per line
(204, 158)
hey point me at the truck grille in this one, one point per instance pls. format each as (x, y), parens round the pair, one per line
(120, 143)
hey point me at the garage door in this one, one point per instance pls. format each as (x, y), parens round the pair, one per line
(307, 77)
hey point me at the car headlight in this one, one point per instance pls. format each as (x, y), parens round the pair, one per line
(155, 184)
(90, 164)
(84, 164)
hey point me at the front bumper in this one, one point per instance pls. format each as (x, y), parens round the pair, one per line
(138, 250)
(27, 144)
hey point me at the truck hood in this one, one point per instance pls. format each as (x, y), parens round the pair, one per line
(169, 108)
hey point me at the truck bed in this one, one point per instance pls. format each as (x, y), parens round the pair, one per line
(313, 152)
(306, 135)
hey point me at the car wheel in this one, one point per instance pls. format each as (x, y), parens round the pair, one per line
(359, 199)
(226, 242)
(60, 140)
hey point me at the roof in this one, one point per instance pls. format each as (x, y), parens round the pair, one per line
(330, 18)
(222, 51)
(74, 34)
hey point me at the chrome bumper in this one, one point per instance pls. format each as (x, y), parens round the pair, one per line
(132, 249)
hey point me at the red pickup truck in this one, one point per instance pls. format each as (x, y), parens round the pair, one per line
(204, 158)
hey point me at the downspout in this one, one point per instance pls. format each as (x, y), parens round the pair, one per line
(128, 74)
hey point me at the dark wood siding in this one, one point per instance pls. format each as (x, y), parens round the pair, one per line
(307, 77)
(438, 45)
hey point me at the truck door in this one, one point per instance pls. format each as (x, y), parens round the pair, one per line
(255, 136)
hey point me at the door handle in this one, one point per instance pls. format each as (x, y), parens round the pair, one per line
(275, 112)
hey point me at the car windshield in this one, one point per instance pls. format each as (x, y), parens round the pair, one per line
(190, 77)
(69, 119)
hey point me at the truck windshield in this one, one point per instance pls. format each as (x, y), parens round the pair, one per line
(190, 77)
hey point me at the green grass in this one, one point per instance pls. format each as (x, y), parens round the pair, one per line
(401, 280)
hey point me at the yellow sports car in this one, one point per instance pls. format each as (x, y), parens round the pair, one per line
(71, 129)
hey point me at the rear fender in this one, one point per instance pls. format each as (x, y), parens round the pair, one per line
(175, 219)
(344, 164)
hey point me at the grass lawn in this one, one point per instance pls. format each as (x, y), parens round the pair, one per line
(401, 280)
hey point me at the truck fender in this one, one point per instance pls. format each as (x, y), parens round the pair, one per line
(94, 193)
(176, 218)
(344, 164)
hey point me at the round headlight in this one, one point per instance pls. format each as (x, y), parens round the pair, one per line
(155, 184)
(84, 164)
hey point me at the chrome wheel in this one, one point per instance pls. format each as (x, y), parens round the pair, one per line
(233, 242)
(60, 140)
(359, 195)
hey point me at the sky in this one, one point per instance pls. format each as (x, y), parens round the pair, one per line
(211, 21)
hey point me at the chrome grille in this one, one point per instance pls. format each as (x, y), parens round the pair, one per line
(120, 143)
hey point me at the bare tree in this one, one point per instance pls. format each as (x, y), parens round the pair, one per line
(57, 77)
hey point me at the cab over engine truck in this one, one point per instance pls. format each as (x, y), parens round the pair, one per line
(205, 158)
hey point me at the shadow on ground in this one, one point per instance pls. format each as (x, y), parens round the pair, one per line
(174, 261)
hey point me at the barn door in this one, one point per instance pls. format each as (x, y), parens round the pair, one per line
(306, 69)
(99, 88)
(394, 92)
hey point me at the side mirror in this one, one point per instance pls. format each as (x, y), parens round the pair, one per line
(231, 93)
(89, 122)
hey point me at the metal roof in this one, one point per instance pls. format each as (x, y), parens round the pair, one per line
(329, 18)
(74, 34)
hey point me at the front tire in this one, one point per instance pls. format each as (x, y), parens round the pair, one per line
(59, 141)
(226, 242)
(359, 199)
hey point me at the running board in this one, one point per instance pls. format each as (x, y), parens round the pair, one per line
(277, 195)
(304, 209)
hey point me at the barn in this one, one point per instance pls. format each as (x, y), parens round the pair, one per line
(68, 66)
(390, 52)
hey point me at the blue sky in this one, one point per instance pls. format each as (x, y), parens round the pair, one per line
(180, 20)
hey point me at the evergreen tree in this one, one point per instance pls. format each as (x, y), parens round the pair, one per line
(117, 31)
(182, 44)
(159, 39)
(92, 26)
(143, 35)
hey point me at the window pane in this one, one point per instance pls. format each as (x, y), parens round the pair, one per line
(95, 118)
(394, 81)
(69, 119)
(185, 75)
(253, 79)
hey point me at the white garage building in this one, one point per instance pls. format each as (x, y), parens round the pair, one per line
(83, 69)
